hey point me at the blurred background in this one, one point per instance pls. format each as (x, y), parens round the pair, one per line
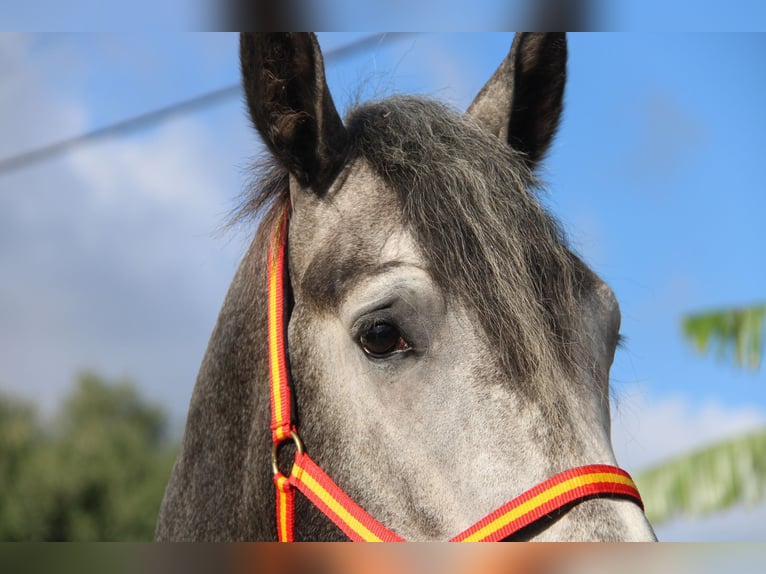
(121, 156)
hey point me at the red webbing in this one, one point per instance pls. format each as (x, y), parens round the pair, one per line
(285, 508)
(280, 388)
(328, 497)
(556, 492)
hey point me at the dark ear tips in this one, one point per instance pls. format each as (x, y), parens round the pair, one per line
(523, 100)
(538, 102)
(291, 106)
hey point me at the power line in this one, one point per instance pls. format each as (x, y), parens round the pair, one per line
(155, 116)
(124, 126)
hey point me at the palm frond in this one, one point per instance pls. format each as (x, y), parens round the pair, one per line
(737, 332)
(707, 480)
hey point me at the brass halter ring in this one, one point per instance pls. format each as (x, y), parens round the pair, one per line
(275, 449)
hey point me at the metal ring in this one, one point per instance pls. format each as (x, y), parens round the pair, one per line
(275, 449)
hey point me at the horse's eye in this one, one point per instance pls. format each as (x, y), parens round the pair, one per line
(382, 340)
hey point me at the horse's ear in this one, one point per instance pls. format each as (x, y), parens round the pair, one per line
(291, 107)
(522, 101)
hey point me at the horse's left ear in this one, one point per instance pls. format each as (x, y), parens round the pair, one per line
(291, 107)
(522, 101)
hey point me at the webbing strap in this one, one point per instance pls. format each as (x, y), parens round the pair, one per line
(281, 399)
(306, 476)
(328, 497)
(285, 508)
(555, 493)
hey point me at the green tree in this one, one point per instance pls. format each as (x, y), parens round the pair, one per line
(20, 439)
(96, 471)
(727, 473)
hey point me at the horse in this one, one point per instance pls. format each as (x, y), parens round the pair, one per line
(446, 351)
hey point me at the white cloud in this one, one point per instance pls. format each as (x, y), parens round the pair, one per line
(30, 115)
(108, 254)
(647, 430)
(112, 264)
(738, 524)
(158, 170)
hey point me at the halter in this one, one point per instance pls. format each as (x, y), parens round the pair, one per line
(561, 490)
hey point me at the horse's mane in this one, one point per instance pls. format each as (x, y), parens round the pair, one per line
(470, 201)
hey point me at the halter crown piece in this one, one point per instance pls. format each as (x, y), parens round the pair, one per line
(555, 493)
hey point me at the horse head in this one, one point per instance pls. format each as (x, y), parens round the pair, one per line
(447, 350)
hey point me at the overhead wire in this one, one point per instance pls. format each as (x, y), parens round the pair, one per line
(155, 116)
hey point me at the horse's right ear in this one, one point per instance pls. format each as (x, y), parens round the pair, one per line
(521, 103)
(291, 107)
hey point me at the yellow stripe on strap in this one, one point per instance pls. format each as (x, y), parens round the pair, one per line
(274, 350)
(284, 535)
(303, 477)
(279, 391)
(544, 497)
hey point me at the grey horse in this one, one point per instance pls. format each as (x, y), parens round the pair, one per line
(448, 350)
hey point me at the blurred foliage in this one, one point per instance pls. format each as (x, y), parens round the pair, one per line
(707, 480)
(95, 471)
(728, 473)
(738, 332)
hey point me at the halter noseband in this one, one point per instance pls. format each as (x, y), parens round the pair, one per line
(561, 490)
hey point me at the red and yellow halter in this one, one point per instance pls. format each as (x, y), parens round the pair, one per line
(555, 493)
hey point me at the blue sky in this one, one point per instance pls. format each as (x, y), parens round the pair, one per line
(381, 15)
(111, 258)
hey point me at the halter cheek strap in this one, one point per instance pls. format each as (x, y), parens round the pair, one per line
(306, 476)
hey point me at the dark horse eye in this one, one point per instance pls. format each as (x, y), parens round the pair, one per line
(382, 340)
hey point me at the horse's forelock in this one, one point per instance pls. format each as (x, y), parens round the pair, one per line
(469, 200)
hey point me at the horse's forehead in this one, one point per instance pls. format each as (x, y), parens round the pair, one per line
(357, 224)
